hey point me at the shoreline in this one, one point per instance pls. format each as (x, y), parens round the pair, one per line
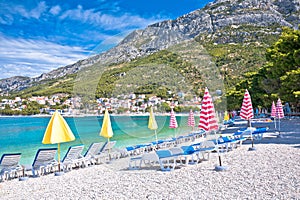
(90, 115)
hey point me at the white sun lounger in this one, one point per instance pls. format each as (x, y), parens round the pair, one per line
(90, 154)
(44, 162)
(73, 158)
(9, 166)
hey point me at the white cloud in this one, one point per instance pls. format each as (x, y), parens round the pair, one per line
(55, 10)
(31, 57)
(35, 12)
(107, 21)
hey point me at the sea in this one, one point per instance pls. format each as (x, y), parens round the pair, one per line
(24, 134)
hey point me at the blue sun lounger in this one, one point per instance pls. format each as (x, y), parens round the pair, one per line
(164, 157)
(227, 143)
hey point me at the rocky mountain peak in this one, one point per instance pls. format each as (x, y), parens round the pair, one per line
(222, 21)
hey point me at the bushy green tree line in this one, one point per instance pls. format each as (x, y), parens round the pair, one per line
(279, 77)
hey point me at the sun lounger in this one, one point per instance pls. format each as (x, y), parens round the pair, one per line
(190, 154)
(257, 133)
(93, 150)
(205, 148)
(198, 152)
(9, 166)
(106, 153)
(44, 162)
(135, 150)
(229, 122)
(239, 138)
(73, 158)
(148, 158)
(227, 143)
(164, 157)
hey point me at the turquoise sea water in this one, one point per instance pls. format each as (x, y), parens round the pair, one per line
(24, 134)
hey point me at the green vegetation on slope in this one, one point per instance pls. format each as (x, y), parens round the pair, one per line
(266, 67)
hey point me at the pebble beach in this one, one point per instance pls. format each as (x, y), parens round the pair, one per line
(270, 172)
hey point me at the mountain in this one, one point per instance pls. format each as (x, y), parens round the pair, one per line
(219, 23)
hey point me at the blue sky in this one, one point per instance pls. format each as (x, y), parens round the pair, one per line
(38, 36)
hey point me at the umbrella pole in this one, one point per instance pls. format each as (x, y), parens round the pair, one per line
(58, 156)
(275, 122)
(279, 125)
(251, 133)
(220, 160)
(108, 150)
(156, 139)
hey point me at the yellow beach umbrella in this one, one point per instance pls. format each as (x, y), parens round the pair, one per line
(58, 131)
(106, 130)
(152, 125)
(226, 116)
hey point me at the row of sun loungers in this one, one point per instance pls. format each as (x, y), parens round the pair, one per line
(169, 159)
(45, 162)
(160, 144)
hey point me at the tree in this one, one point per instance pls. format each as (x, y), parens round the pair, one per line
(280, 75)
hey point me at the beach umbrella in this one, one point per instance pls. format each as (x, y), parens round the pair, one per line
(106, 130)
(208, 120)
(279, 112)
(273, 113)
(152, 125)
(226, 116)
(247, 109)
(173, 121)
(247, 112)
(58, 131)
(191, 119)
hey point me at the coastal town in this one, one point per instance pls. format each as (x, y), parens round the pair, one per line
(67, 105)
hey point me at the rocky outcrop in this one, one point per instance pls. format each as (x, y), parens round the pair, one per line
(223, 21)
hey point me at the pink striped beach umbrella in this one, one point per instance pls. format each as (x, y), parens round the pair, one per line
(173, 121)
(191, 120)
(247, 109)
(279, 112)
(208, 120)
(273, 113)
(247, 112)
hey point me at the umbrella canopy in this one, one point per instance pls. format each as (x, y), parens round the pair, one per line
(58, 131)
(191, 119)
(152, 122)
(279, 110)
(173, 121)
(247, 113)
(208, 120)
(279, 113)
(247, 109)
(106, 130)
(273, 110)
(152, 125)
